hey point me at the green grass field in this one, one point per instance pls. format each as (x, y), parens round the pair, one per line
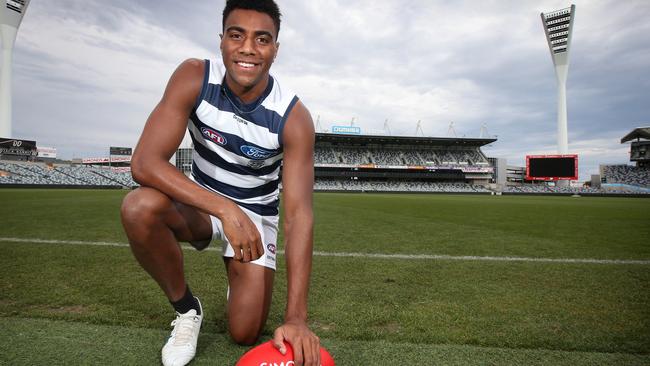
(71, 293)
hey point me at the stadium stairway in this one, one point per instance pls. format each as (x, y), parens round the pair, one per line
(117, 182)
(84, 182)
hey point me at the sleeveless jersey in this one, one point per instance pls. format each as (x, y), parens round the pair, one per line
(238, 147)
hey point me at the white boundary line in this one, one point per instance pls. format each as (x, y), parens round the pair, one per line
(364, 255)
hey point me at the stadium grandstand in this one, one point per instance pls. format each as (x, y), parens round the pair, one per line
(343, 162)
(352, 162)
(630, 178)
(37, 174)
(23, 164)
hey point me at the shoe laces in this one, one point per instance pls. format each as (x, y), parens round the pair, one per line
(184, 328)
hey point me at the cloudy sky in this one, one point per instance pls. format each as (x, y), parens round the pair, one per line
(87, 73)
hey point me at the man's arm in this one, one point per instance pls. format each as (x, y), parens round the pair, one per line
(160, 139)
(297, 188)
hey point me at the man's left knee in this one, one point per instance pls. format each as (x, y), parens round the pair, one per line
(244, 336)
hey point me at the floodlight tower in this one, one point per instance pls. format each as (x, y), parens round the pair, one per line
(558, 25)
(11, 14)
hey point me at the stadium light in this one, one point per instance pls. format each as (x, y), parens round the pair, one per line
(484, 131)
(11, 14)
(418, 128)
(451, 132)
(387, 127)
(558, 26)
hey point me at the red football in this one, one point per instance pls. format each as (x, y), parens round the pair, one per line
(267, 355)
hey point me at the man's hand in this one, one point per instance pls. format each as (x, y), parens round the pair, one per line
(305, 344)
(242, 234)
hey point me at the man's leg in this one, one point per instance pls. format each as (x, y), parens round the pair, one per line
(154, 225)
(249, 300)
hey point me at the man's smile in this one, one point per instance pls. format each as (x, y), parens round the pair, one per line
(245, 65)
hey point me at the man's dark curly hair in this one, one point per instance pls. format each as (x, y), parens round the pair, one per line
(263, 6)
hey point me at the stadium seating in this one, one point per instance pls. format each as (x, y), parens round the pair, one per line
(626, 174)
(395, 186)
(119, 178)
(384, 157)
(412, 157)
(70, 175)
(325, 156)
(353, 156)
(541, 189)
(422, 157)
(62, 175)
(85, 175)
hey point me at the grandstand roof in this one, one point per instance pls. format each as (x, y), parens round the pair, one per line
(637, 133)
(400, 140)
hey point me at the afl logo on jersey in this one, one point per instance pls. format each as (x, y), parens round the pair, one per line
(255, 152)
(271, 248)
(213, 136)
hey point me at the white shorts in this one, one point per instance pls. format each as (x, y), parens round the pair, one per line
(267, 226)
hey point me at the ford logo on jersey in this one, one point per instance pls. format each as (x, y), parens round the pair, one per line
(213, 136)
(255, 152)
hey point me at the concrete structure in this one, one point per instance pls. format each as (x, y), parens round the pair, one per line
(515, 175)
(595, 181)
(640, 147)
(558, 25)
(11, 14)
(500, 174)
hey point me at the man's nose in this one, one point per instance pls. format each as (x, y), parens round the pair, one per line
(248, 46)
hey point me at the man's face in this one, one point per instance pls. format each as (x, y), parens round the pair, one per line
(248, 48)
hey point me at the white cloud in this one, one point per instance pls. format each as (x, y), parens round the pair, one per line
(92, 84)
(92, 72)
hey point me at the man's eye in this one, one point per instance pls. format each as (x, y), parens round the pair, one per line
(263, 40)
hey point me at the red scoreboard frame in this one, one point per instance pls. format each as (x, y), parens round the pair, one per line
(550, 162)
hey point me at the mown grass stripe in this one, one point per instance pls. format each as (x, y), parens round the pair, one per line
(369, 255)
(30, 341)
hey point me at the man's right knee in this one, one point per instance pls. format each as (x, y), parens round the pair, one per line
(144, 206)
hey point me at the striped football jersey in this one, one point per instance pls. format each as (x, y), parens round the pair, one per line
(238, 147)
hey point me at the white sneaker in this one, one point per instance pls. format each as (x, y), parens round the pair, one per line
(181, 345)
